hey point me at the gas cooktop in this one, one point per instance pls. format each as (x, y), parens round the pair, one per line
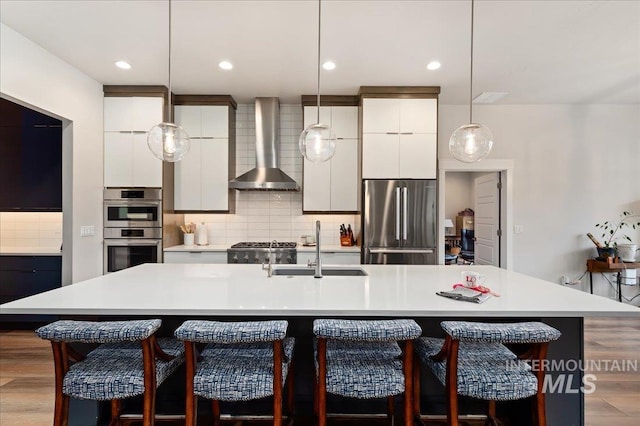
(259, 252)
(247, 245)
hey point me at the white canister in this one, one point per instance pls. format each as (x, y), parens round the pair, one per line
(627, 252)
(189, 239)
(201, 234)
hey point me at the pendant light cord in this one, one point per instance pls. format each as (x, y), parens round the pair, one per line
(319, 23)
(169, 109)
(471, 72)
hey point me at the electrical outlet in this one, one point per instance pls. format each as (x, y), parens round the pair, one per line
(87, 230)
(518, 229)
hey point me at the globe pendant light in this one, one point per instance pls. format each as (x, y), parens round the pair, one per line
(317, 142)
(168, 141)
(471, 142)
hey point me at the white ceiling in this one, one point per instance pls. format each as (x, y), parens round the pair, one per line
(539, 51)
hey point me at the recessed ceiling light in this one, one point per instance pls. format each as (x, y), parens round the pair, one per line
(489, 97)
(226, 65)
(329, 65)
(124, 65)
(433, 65)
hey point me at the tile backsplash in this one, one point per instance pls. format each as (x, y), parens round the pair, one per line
(31, 229)
(269, 215)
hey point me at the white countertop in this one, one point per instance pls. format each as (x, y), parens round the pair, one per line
(208, 247)
(245, 290)
(30, 251)
(328, 248)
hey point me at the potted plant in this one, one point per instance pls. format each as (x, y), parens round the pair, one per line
(612, 232)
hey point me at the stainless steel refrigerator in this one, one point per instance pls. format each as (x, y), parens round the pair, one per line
(399, 222)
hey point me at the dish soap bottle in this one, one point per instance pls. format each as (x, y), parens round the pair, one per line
(201, 234)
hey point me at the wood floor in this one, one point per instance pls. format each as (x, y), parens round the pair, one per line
(26, 376)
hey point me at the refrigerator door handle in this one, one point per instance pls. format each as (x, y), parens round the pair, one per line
(397, 213)
(400, 250)
(405, 212)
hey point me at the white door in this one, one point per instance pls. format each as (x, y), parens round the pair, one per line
(487, 219)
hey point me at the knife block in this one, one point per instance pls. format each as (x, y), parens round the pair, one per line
(345, 240)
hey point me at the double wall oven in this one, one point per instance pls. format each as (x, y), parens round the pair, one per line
(132, 227)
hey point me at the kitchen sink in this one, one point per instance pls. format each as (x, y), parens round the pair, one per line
(328, 272)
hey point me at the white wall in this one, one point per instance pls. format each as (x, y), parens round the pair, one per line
(36, 78)
(575, 166)
(458, 190)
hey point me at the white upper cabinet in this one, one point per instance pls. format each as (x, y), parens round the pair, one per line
(333, 185)
(202, 177)
(127, 159)
(399, 138)
(128, 114)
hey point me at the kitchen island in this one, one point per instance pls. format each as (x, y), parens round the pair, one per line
(174, 292)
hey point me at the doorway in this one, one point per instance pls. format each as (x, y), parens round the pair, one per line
(490, 246)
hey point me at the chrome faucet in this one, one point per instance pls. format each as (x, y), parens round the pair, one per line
(269, 267)
(318, 262)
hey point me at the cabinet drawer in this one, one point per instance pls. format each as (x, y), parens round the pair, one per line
(330, 258)
(219, 257)
(18, 284)
(30, 263)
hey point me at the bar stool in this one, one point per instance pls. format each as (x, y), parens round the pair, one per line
(362, 359)
(130, 361)
(473, 361)
(241, 361)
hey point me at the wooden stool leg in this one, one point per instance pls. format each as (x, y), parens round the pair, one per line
(452, 384)
(191, 403)
(540, 411)
(408, 383)
(277, 383)
(61, 366)
(115, 412)
(215, 408)
(391, 410)
(290, 390)
(416, 388)
(322, 382)
(491, 414)
(149, 397)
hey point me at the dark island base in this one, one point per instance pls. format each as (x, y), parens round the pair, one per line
(565, 406)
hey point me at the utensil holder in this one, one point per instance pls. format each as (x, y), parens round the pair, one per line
(189, 239)
(345, 240)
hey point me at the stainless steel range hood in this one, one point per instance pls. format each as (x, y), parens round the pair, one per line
(267, 174)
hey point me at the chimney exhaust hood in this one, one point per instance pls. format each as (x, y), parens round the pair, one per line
(267, 175)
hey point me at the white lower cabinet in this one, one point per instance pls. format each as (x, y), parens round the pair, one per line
(329, 258)
(218, 257)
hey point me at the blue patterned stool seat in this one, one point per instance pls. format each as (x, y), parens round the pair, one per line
(367, 330)
(98, 332)
(360, 370)
(485, 370)
(239, 372)
(116, 370)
